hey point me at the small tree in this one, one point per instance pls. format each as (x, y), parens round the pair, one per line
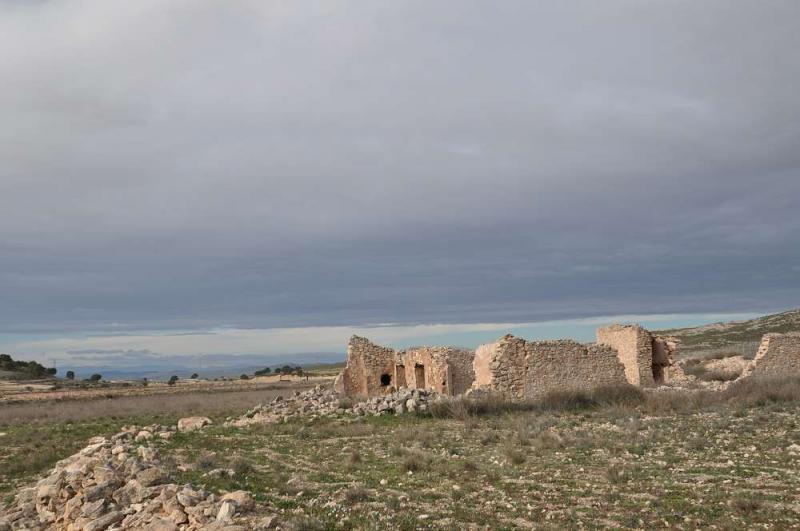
(70, 375)
(172, 380)
(95, 377)
(51, 371)
(277, 370)
(194, 376)
(244, 377)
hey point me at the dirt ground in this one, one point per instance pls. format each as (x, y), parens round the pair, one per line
(31, 391)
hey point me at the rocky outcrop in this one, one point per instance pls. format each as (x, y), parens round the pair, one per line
(119, 483)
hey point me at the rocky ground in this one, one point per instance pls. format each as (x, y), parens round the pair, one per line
(322, 402)
(311, 461)
(120, 482)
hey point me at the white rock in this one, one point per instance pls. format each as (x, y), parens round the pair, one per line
(193, 423)
(226, 512)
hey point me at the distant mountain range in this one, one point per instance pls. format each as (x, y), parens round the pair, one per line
(722, 335)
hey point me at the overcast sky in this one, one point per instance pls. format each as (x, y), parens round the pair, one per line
(253, 164)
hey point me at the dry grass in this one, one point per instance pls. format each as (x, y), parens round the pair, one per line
(492, 405)
(184, 404)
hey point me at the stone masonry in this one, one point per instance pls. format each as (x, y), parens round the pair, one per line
(530, 369)
(513, 366)
(648, 358)
(778, 355)
(373, 370)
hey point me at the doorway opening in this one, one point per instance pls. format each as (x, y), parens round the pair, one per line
(400, 375)
(419, 375)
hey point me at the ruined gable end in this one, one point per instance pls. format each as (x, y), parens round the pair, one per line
(368, 371)
(648, 358)
(778, 355)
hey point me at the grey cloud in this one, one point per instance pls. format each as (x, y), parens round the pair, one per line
(190, 165)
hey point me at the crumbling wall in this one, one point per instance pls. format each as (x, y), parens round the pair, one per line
(648, 358)
(373, 370)
(778, 355)
(461, 372)
(634, 346)
(367, 366)
(431, 363)
(530, 369)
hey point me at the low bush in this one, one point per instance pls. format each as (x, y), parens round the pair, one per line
(761, 390)
(460, 408)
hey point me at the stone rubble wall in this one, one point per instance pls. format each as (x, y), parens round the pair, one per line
(522, 369)
(447, 370)
(434, 364)
(462, 373)
(634, 345)
(366, 363)
(778, 355)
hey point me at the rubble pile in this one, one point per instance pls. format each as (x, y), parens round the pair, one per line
(120, 483)
(321, 402)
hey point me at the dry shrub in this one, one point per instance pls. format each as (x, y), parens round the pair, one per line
(242, 467)
(206, 461)
(617, 474)
(514, 454)
(414, 460)
(762, 390)
(623, 395)
(355, 495)
(747, 504)
(345, 403)
(354, 457)
(548, 440)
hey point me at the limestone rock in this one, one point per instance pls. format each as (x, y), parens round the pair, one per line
(193, 423)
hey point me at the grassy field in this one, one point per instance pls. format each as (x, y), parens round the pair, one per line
(619, 459)
(33, 436)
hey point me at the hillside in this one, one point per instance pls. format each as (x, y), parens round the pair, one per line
(11, 369)
(722, 335)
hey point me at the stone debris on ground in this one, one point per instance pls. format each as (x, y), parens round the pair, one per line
(322, 402)
(117, 483)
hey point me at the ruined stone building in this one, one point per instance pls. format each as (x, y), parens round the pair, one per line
(648, 358)
(530, 369)
(778, 355)
(512, 366)
(373, 370)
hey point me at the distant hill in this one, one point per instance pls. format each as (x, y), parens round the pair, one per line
(11, 369)
(722, 335)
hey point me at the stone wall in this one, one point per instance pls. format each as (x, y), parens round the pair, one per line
(367, 367)
(462, 374)
(373, 370)
(778, 355)
(634, 345)
(530, 369)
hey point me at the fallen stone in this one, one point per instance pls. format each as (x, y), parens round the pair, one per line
(193, 423)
